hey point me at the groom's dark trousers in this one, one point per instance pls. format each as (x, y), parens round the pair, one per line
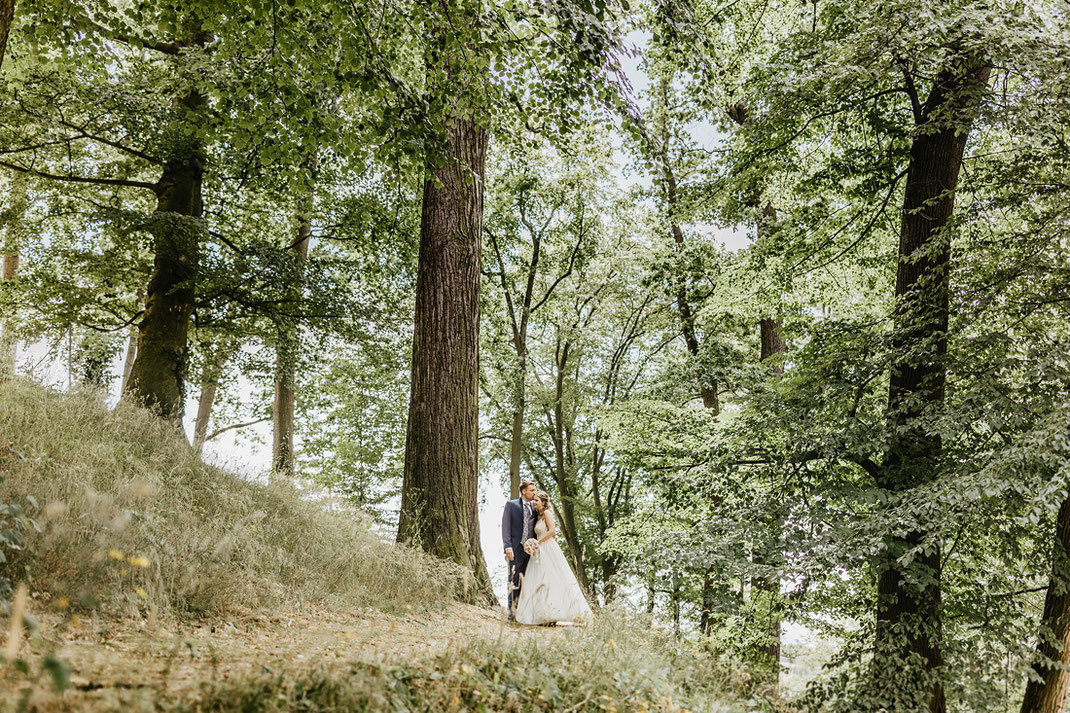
(513, 536)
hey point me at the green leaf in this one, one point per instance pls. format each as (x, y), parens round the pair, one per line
(59, 671)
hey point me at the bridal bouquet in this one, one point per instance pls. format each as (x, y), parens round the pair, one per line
(531, 546)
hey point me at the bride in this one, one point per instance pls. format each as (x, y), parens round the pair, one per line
(550, 592)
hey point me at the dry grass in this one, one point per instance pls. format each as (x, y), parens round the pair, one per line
(461, 659)
(611, 666)
(133, 522)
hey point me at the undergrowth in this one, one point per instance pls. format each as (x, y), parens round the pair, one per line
(134, 522)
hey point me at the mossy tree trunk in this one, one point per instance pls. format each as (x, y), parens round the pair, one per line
(439, 507)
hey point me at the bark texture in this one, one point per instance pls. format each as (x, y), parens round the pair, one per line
(1048, 691)
(908, 656)
(157, 377)
(7, 16)
(439, 510)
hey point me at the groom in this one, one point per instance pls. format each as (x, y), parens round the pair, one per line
(518, 526)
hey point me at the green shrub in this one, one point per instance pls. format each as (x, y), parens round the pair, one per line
(14, 523)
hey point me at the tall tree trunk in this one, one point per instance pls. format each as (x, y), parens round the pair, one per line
(908, 656)
(768, 587)
(1048, 690)
(9, 267)
(157, 377)
(288, 347)
(772, 342)
(439, 509)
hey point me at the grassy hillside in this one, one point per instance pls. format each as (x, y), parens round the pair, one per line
(132, 519)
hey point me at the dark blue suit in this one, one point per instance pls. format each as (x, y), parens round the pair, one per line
(513, 536)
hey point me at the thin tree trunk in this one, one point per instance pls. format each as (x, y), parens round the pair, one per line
(9, 269)
(157, 377)
(707, 390)
(908, 595)
(131, 354)
(439, 508)
(204, 414)
(772, 344)
(558, 434)
(1047, 690)
(674, 603)
(650, 591)
(8, 342)
(288, 346)
(705, 618)
(516, 445)
(212, 376)
(131, 350)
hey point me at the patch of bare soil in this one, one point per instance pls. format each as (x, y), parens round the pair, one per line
(127, 665)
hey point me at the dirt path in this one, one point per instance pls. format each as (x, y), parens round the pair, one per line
(126, 665)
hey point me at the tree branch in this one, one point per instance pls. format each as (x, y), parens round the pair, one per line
(219, 431)
(81, 179)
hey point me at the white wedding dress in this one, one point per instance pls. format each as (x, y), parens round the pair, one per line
(550, 591)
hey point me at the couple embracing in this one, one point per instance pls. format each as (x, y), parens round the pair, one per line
(542, 587)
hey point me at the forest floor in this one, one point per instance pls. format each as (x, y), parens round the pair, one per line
(126, 664)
